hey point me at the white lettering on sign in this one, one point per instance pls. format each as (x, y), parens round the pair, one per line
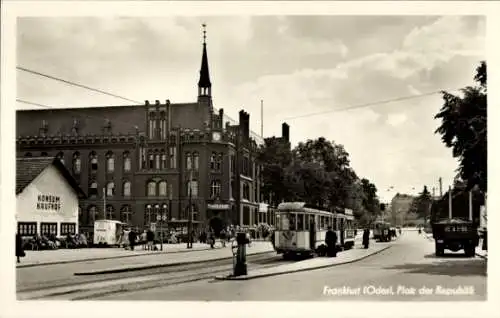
(48, 202)
(218, 206)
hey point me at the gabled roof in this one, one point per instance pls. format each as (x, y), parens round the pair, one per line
(27, 169)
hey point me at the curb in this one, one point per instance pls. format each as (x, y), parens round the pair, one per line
(112, 257)
(153, 266)
(482, 256)
(301, 269)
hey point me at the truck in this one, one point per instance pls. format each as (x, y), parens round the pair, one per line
(108, 232)
(455, 226)
(381, 231)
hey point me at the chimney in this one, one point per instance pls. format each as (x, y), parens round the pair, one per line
(246, 126)
(147, 102)
(221, 117)
(157, 102)
(285, 132)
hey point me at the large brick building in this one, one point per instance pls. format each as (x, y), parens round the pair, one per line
(143, 158)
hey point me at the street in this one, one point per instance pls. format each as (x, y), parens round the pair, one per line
(407, 267)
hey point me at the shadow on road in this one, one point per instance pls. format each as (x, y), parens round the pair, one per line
(448, 255)
(467, 267)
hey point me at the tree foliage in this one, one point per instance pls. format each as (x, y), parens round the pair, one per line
(421, 204)
(317, 172)
(463, 129)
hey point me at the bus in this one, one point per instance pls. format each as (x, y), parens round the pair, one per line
(301, 230)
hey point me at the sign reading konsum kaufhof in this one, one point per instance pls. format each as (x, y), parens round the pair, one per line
(47, 198)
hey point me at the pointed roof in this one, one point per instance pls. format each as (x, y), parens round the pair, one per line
(27, 169)
(204, 73)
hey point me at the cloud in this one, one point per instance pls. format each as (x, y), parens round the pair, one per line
(396, 119)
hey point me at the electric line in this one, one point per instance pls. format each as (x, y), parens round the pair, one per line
(75, 84)
(369, 104)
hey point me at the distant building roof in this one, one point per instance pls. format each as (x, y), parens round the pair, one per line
(27, 169)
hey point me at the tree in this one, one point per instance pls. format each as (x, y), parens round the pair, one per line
(370, 200)
(463, 129)
(421, 204)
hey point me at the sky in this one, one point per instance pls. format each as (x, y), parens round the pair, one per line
(298, 66)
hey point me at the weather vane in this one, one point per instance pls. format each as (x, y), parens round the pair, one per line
(204, 32)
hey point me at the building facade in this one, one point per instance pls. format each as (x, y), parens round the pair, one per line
(46, 198)
(400, 208)
(179, 161)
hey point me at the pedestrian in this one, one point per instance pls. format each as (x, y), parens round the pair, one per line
(131, 238)
(366, 238)
(211, 238)
(19, 248)
(150, 237)
(331, 242)
(222, 237)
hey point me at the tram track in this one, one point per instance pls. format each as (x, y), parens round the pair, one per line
(89, 287)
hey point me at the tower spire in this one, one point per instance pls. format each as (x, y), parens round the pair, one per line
(204, 84)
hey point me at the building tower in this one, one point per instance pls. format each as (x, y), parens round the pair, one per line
(204, 85)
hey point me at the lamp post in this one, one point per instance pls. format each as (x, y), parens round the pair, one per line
(148, 208)
(190, 218)
(161, 217)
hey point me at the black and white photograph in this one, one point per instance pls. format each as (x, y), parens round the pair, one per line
(249, 157)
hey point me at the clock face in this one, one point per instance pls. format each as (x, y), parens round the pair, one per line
(216, 136)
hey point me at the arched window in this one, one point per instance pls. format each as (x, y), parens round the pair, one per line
(93, 189)
(110, 162)
(151, 161)
(162, 188)
(151, 189)
(157, 162)
(213, 158)
(28, 154)
(93, 162)
(189, 161)
(218, 164)
(126, 214)
(110, 212)
(215, 189)
(93, 214)
(196, 161)
(60, 156)
(192, 188)
(110, 189)
(126, 189)
(77, 163)
(163, 160)
(127, 162)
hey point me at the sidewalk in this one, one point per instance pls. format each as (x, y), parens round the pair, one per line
(166, 260)
(345, 257)
(62, 256)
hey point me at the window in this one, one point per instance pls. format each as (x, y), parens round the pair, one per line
(300, 222)
(194, 212)
(157, 162)
(93, 189)
(60, 156)
(233, 164)
(152, 126)
(163, 188)
(126, 188)
(233, 188)
(213, 159)
(26, 228)
(110, 212)
(215, 189)
(292, 219)
(28, 154)
(93, 214)
(218, 163)
(77, 163)
(246, 191)
(170, 191)
(127, 162)
(142, 154)
(110, 162)
(189, 161)
(163, 161)
(126, 214)
(246, 166)
(68, 228)
(196, 161)
(192, 188)
(151, 161)
(93, 162)
(48, 229)
(163, 127)
(246, 215)
(173, 157)
(151, 189)
(110, 189)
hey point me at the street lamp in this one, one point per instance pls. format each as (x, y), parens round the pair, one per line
(148, 208)
(161, 217)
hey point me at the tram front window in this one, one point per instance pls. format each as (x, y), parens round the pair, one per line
(283, 222)
(292, 218)
(300, 222)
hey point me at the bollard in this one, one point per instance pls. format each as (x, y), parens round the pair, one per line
(240, 266)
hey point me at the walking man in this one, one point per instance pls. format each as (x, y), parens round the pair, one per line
(331, 243)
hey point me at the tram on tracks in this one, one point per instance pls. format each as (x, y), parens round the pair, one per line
(301, 230)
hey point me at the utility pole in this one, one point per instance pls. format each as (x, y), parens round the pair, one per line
(262, 118)
(190, 208)
(440, 187)
(237, 171)
(104, 208)
(450, 213)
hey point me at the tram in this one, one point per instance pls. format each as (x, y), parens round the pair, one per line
(301, 230)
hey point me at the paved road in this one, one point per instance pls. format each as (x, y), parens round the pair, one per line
(409, 263)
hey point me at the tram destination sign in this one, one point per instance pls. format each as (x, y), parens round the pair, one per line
(218, 206)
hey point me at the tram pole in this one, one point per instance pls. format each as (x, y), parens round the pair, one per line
(190, 212)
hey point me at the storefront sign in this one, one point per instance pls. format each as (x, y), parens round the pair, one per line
(218, 206)
(48, 202)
